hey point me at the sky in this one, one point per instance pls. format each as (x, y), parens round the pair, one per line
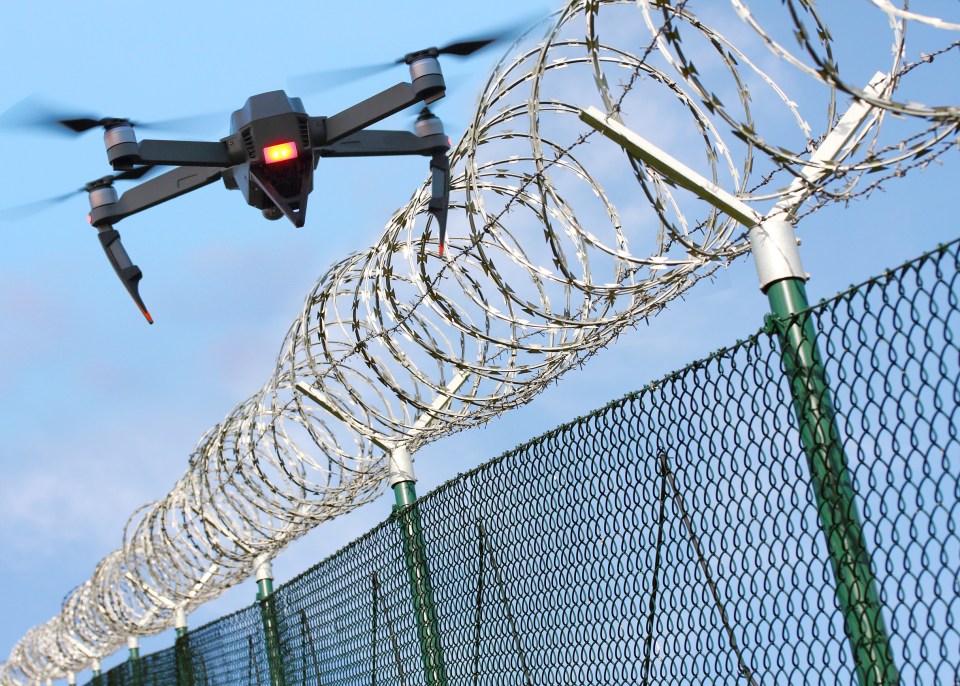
(101, 411)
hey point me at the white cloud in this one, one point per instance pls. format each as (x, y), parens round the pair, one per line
(41, 511)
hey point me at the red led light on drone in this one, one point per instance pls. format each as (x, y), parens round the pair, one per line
(279, 152)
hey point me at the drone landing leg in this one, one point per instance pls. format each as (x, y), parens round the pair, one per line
(434, 144)
(128, 272)
(440, 194)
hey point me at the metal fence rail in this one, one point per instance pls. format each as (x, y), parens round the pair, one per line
(669, 537)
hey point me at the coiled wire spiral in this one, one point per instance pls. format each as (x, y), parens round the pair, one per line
(550, 256)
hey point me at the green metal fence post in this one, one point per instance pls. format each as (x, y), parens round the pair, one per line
(402, 481)
(425, 612)
(774, 244)
(133, 644)
(268, 612)
(182, 654)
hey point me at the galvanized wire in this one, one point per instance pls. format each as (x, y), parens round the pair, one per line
(548, 259)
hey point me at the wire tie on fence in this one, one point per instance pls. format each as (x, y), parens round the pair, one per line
(307, 637)
(254, 663)
(772, 324)
(688, 525)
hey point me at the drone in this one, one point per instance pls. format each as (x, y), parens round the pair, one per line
(270, 154)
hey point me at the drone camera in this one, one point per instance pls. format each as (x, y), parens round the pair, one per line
(273, 213)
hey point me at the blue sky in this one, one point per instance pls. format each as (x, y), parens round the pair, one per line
(101, 411)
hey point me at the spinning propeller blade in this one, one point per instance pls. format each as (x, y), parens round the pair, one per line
(467, 47)
(28, 209)
(197, 122)
(31, 208)
(35, 113)
(82, 124)
(474, 44)
(133, 174)
(317, 81)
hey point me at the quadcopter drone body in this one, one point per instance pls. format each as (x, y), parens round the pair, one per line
(269, 156)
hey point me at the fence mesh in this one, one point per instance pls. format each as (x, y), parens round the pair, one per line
(672, 536)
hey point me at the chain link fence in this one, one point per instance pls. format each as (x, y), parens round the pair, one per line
(672, 536)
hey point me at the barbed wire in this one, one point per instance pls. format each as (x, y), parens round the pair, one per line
(549, 258)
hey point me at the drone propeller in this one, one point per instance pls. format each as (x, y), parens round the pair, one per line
(34, 113)
(128, 175)
(83, 124)
(331, 78)
(463, 48)
(22, 211)
(322, 80)
(27, 209)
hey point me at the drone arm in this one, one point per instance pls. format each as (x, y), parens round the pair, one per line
(376, 143)
(370, 111)
(173, 184)
(369, 143)
(192, 153)
(153, 192)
